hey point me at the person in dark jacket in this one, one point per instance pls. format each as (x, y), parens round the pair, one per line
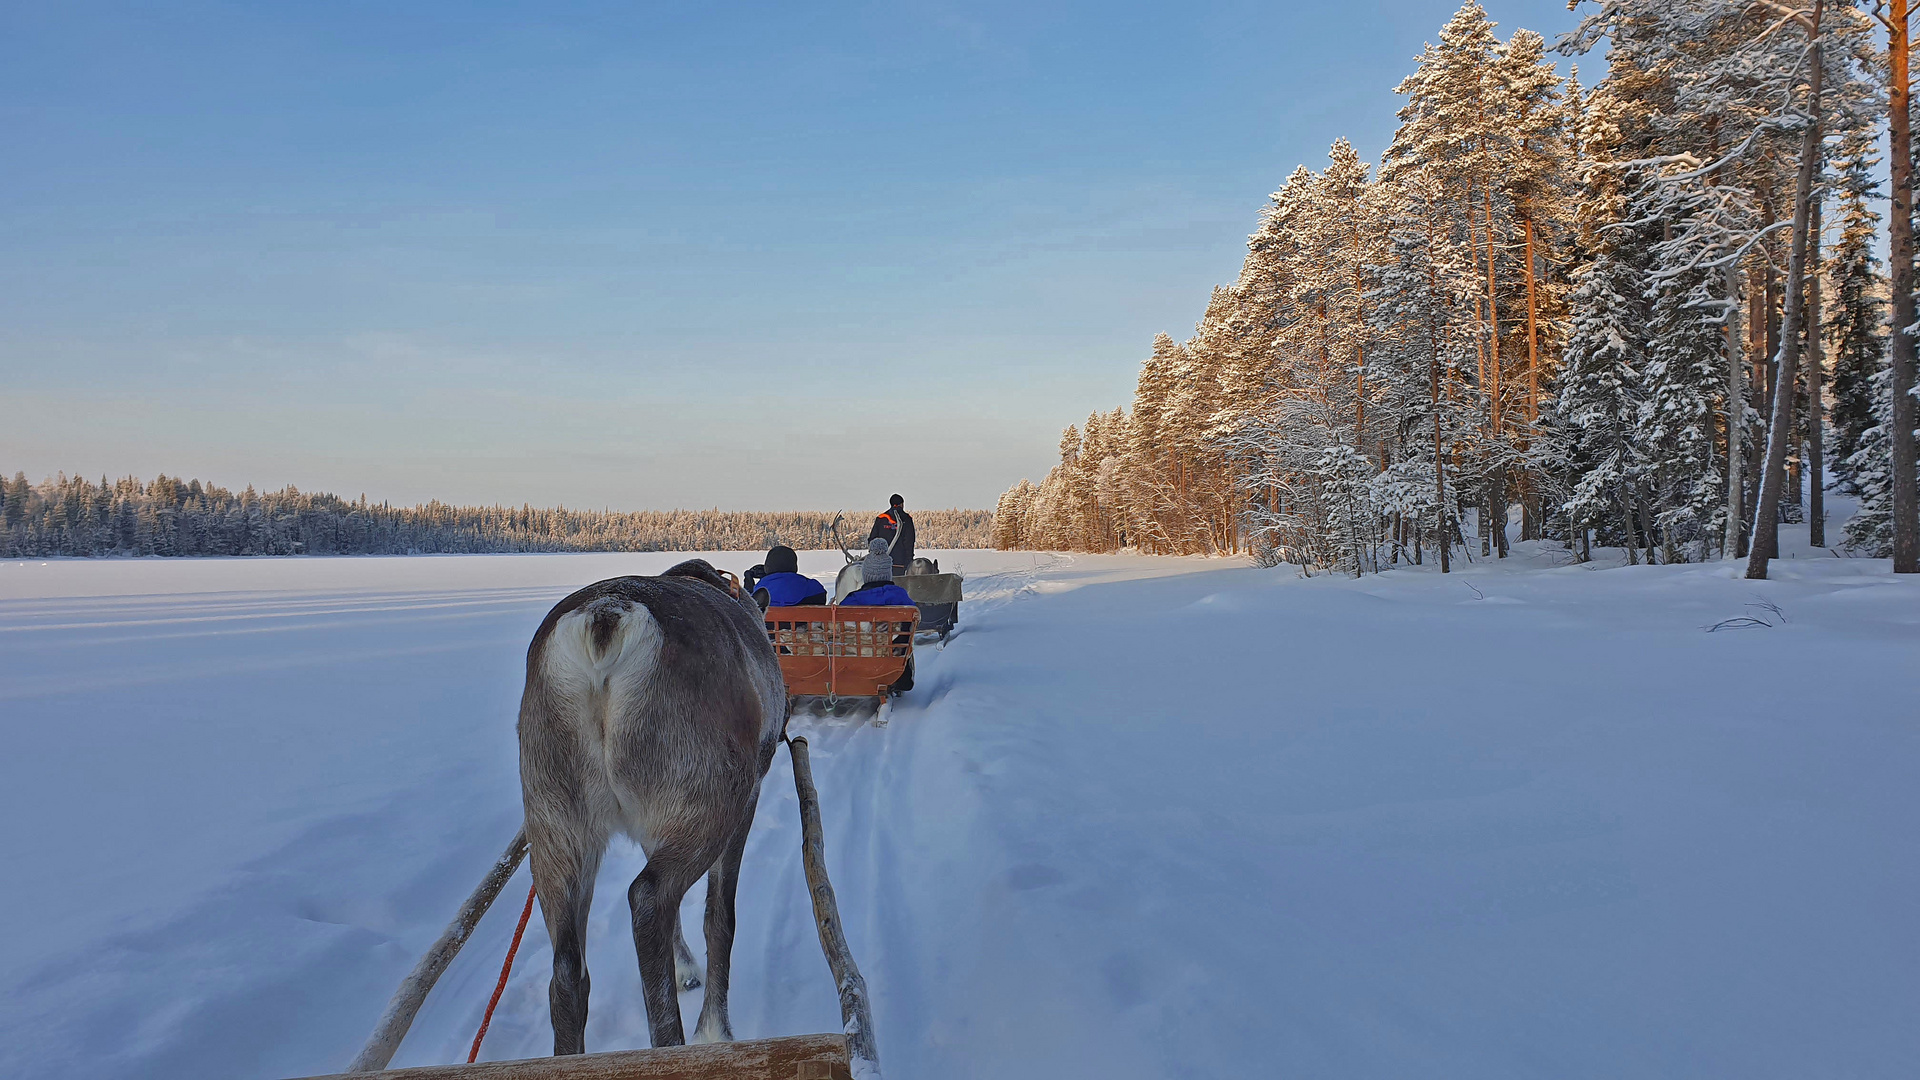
(779, 582)
(896, 528)
(876, 577)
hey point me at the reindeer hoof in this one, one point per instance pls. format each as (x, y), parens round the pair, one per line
(690, 982)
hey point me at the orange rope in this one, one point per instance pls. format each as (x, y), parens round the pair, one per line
(501, 986)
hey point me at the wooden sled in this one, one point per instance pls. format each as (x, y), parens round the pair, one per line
(840, 652)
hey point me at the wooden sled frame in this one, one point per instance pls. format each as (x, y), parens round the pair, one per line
(794, 1057)
(838, 651)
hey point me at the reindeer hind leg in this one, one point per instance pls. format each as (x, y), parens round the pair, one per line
(564, 883)
(686, 969)
(723, 883)
(654, 899)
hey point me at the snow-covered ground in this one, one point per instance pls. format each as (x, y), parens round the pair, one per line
(1142, 818)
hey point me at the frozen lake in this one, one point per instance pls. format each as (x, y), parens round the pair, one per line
(1144, 817)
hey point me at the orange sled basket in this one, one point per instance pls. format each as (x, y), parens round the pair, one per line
(842, 652)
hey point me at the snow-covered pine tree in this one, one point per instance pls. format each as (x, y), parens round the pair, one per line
(1856, 312)
(1423, 322)
(1457, 127)
(1674, 438)
(1601, 395)
(1537, 183)
(1151, 500)
(1009, 517)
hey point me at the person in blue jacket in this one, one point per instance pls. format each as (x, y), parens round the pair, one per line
(876, 577)
(779, 582)
(877, 588)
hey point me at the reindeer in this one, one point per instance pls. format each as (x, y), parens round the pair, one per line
(653, 707)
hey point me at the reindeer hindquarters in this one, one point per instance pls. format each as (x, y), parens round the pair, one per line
(647, 703)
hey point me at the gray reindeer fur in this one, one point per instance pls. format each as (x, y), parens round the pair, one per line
(653, 707)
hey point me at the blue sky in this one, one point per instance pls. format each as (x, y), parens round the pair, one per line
(638, 255)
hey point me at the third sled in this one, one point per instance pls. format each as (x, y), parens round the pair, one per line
(937, 595)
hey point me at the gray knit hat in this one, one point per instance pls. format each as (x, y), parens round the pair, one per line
(878, 565)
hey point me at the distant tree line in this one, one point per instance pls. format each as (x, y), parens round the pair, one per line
(170, 516)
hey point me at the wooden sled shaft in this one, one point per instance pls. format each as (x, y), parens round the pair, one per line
(855, 1012)
(406, 1001)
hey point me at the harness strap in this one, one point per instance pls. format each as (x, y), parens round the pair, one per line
(833, 650)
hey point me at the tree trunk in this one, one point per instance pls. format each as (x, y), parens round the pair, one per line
(1499, 504)
(1792, 499)
(1816, 372)
(1497, 491)
(1736, 416)
(1441, 539)
(1769, 375)
(1906, 531)
(1628, 541)
(1770, 356)
(1647, 530)
(1530, 509)
(1533, 334)
(1360, 354)
(1480, 340)
(1757, 377)
(1766, 537)
(1493, 318)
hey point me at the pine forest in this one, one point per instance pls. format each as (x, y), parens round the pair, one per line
(1662, 312)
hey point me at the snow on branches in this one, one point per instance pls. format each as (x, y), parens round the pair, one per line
(1549, 308)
